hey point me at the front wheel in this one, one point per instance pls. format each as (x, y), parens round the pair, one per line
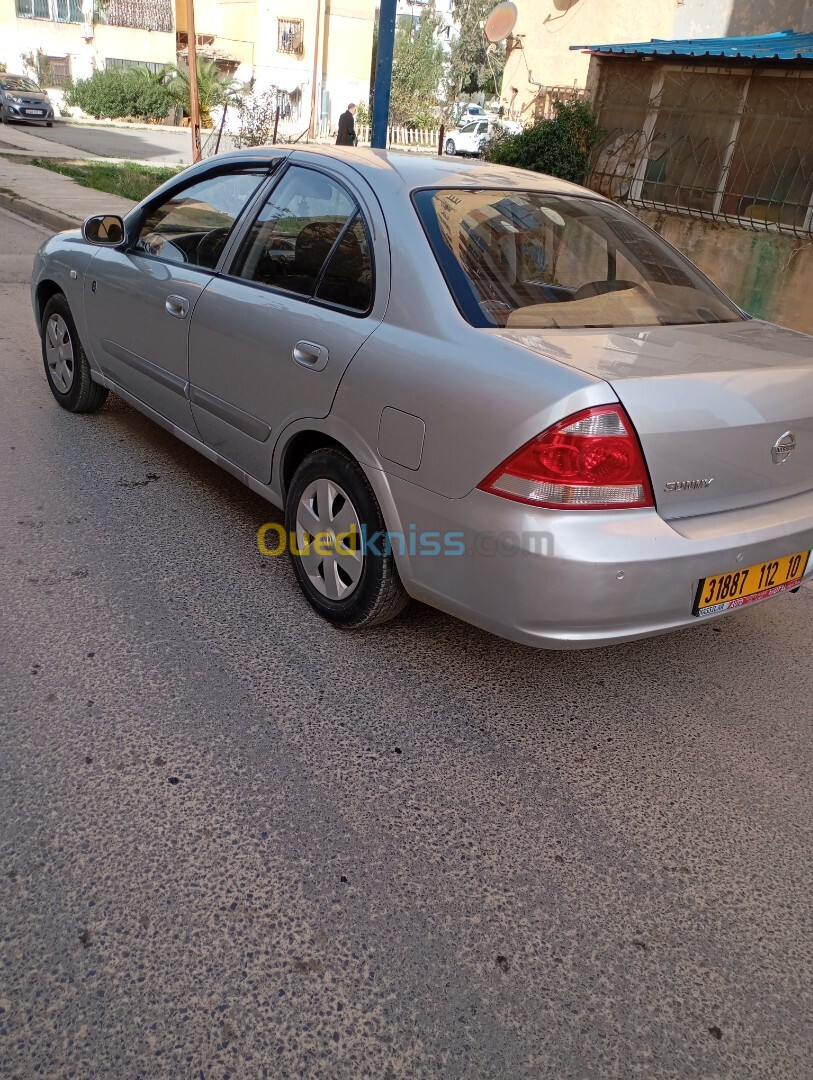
(338, 543)
(450, 147)
(66, 366)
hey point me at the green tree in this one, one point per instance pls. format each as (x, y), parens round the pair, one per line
(475, 65)
(416, 72)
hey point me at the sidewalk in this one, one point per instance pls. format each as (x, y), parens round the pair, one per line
(55, 201)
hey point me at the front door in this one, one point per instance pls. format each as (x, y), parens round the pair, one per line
(271, 338)
(138, 302)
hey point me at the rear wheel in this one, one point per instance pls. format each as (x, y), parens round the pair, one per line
(330, 513)
(450, 147)
(66, 365)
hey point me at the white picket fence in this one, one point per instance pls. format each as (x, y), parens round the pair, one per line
(403, 136)
(396, 136)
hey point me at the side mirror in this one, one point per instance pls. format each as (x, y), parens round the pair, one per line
(106, 230)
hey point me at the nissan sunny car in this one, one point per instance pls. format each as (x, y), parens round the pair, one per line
(489, 390)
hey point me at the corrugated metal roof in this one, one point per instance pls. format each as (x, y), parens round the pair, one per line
(784, 45)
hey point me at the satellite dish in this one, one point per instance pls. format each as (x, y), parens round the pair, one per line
(501, 21)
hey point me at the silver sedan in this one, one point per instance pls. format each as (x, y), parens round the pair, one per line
(489, 390)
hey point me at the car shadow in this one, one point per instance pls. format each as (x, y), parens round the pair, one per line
(707, 671)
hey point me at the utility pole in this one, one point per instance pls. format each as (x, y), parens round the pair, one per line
(383, 73)
(194, 103)
(312, 130)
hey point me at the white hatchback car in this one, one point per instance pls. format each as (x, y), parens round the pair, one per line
(468, 139)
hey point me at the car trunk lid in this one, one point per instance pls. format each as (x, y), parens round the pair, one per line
(724, 411)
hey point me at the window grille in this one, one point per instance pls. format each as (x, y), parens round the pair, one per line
(290, 33)
(115, 62)
(53, 10)
(57, 70)
(727, 143)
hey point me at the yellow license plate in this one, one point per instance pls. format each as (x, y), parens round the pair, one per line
(746, 586)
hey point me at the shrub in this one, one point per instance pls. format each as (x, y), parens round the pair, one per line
(559, 147)
(119, 92)
(257, 116)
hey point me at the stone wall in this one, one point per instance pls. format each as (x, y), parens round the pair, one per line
(768, 274)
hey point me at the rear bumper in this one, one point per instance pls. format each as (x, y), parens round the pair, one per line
(565, 580)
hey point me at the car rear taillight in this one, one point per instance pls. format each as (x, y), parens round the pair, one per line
(590, 461)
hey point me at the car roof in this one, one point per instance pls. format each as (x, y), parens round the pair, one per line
(398, 169)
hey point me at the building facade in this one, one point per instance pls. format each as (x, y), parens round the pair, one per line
(53, 40)
(315, 54)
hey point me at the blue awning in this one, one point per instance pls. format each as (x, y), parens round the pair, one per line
(784, 45)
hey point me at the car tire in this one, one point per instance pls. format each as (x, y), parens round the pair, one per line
(66, 365)
(451, 149)
(359, 587)
(49, 123)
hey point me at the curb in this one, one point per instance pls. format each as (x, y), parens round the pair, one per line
(41, 215)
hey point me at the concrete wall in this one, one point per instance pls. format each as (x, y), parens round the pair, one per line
(233, 24)
(736, 18)
(546, 29)
(347, 53)
(767, 274)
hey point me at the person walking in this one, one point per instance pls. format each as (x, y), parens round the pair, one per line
(347, 128)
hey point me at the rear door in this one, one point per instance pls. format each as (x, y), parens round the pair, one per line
(138, 302)
(272, 336)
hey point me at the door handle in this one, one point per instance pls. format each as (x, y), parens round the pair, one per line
(177, 306)
(308, 355)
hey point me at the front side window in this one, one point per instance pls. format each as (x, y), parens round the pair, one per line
(526, 259)
(192, 226)
(308, 220)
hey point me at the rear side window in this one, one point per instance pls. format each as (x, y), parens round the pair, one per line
(531, 260)
(193, 225)
(309, 239)
(347, 279)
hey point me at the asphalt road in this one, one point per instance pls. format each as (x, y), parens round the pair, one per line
(236, 842)
(155, 146)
